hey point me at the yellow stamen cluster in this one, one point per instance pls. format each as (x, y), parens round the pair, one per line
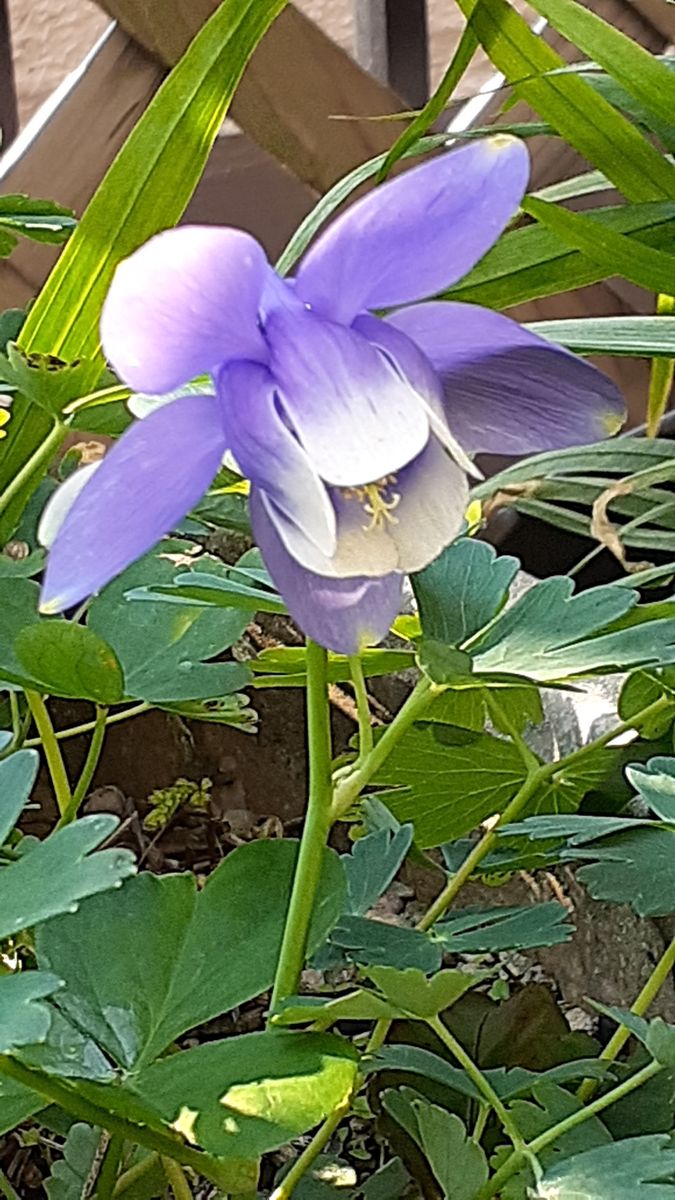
(375, 504)
(4, 418)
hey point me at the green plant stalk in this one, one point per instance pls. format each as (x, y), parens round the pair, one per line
(131, 1176)
(350, 786)
(315, 832)
(55, 763)
(311, 1152)
(480, 1082)
(535, 778)
(87, 773)
(105, 1184)
(6, 1188)
(88, 726)
(661, 376)
(16, 717)
(639, 1007)
(176, 1176)
(58, 1092)
(362, 707)
(518, 1158)
(37, 461)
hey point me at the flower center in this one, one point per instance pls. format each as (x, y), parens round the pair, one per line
(376, 504)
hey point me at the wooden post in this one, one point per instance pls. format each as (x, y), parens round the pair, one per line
(392, 44)
(9, 121)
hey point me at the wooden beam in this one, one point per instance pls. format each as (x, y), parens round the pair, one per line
(9, 121)
(392, 44)
(297, 82)
(660, 14)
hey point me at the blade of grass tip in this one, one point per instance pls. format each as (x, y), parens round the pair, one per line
(466, 48)
(661, 376)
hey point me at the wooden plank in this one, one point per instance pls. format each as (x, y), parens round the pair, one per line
(296, 83)
(8, 112)
(392, 44)
(660, 14)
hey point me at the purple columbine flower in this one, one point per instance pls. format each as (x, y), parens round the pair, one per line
(352, 429)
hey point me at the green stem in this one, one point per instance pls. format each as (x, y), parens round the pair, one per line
(55, 763)
(105, 1186)
(480, 1082)
(58, 1092)
(311, 1152)
(350, 786)
(661, 376)
(6, 1188)
(362, 706)
(16, 718)
(128, 1178)
(642, 1002)
(177, 1181)
(87, 726)
(516, 1160)
(502, 720)
(43, 454)
(315, 831)
(90, 765)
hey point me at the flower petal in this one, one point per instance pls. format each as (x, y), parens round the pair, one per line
(61, 501)
(508, 391)
(269, 455)
(418, 233)
(423, 509)
(146, 484)
(355, 416)
(182, 304)
(344, 615)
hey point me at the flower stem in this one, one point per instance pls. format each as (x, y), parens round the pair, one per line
(478, 1079)
(59, 1092)
(311, 1152)
(661, 376)
(87, 726)
(6, 1188)
(44, 452)
(107, 1178)
(177, 1181)
(90, 765)
(350, 786)
(363, 707)
(642, 1002)
(131, 1176)
(55, 763)
(315, 832)
(515, 1161)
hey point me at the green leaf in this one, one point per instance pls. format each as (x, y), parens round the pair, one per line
(372, 865)
(615, 253)
(18, 604)
(580, 115)
(461, 590)
(644, 337)
(17, 776)
(16, 1104)
(375, 942)
(354, 1006)
(655, 783)
(145, 190)
(22, 568)
(247, 1095)
(200, 587)
(476, 930)
(23, 1018)
(551, 634)
(162, 647)
(442, 663)
(639, 71)
(69, 1174)
(639, 1168)
(661, 1041)
(641, 689)
(179, 982)
(532, 262)
(271, 666)
(631, 862)
(446, 781)
(458, 1163)
(507, 1082)
(39, 220)
(54, 875)
(66, 659)
(46, 380)
(419, 997)
(549, 1105)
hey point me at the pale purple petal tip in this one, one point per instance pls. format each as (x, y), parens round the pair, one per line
(147, 483)
(507, 391)
(182, 304)
(418, 233)
(344, 615)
